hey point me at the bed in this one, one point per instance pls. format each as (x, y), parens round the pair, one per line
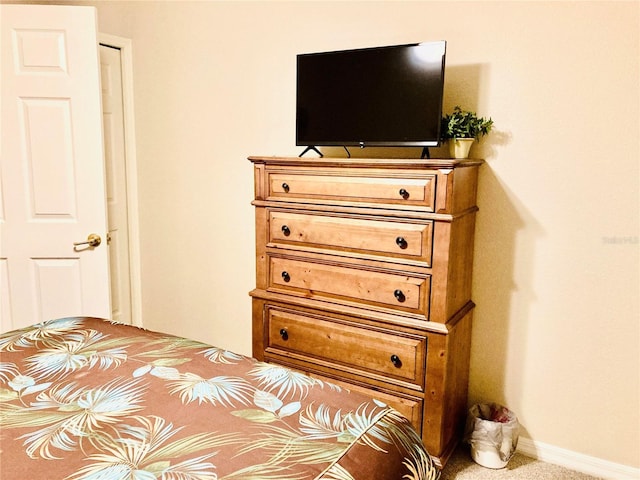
(86, 398)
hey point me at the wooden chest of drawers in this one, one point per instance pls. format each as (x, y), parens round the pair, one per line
(363, 277)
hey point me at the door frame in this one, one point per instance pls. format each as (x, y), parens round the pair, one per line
(126, 55)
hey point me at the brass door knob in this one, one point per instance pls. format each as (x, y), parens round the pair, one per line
(93, 240)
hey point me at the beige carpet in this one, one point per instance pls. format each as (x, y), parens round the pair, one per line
(462, 467)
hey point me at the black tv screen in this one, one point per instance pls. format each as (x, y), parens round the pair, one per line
(383, 96)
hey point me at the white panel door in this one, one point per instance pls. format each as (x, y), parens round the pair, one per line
(52, 186)
(115, 162)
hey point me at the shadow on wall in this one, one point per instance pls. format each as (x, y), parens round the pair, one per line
(500, 345)
(505, 240)
(466, 86)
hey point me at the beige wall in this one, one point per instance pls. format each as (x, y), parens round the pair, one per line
(556, 277)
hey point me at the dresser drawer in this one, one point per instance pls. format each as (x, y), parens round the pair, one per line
(336, 282)
(412, 241)
(346, 346)
(360, 187)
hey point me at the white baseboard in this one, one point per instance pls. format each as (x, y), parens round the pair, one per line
(576, 461)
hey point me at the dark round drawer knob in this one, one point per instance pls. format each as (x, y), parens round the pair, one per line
(285, 276)
(284, 334)
(399, 295)
(401, 242)
(403, 193)
(286, 231)
(285, 187)
(395, 360)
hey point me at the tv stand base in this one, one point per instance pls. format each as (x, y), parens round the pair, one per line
(313, 148)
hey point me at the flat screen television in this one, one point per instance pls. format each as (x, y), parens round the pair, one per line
(382, 96)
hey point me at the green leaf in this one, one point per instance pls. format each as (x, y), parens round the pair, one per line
(7, 395)
(158, 467)
(71, 407)
(464, 124)
(346, 437)
(169, 362)
(257, 416)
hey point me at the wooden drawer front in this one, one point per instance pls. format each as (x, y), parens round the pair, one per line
(347, 346)
(318, 280)
(367, 237)
(361, 189)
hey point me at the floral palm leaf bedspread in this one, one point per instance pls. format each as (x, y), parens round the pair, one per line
(84, 398)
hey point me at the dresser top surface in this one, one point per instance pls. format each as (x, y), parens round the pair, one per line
(368, 162)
